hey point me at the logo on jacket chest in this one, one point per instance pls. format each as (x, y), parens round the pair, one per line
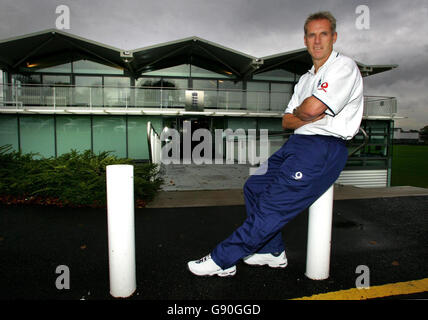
(322, 85)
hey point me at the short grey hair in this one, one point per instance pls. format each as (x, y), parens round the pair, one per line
(321, 15)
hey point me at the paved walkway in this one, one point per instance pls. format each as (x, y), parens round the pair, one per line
(221, 185)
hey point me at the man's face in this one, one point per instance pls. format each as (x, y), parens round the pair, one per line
(319, 40)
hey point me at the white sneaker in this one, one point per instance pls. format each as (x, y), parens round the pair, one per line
(261, 259)
(207, 267)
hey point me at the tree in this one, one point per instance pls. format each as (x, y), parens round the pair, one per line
(423, 134)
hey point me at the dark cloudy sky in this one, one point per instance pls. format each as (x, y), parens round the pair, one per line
(398, 33)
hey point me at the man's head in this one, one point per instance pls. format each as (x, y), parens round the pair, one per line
(320, 35)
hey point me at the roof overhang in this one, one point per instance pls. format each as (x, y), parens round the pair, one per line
(53, 47)
(299, 62)
(195, 51)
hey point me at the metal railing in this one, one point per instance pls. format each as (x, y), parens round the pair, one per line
(92, 97)
(375, 106)
(154, 144)
(61, 96)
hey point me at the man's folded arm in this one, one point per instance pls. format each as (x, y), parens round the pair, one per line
(311, 110)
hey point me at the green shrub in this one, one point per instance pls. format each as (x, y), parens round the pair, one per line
(74, 178)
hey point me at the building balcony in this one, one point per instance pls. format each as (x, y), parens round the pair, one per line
(159, 100)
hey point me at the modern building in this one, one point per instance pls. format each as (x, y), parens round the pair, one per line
(406, 136)
(62, 92)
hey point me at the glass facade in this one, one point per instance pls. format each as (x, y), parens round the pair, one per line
(210, 88)
(90, 67)
(117, 91)
(9, 131)
(37, 135)
(54, 135)
(176, 71)
(258, 97)
(109, 134)
(73, 132)
(230, 95)
(88, 91)
(88, 84)
(62, 68)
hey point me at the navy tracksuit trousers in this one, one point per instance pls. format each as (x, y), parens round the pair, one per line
(297, 175)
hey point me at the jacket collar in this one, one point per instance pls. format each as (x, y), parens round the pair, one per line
(333, 56)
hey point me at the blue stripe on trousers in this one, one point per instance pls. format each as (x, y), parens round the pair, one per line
(297, 175)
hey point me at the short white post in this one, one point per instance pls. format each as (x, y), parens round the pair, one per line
(121, 230)
(319, 236)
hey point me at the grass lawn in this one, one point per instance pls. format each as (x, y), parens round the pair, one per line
(410, 166)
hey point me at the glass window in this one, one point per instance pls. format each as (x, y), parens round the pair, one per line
(176, 71)
(9, 131)
(271, 124)
(51, 79)
(88, 91)
(227, 84)
(275, 75)
(174, 92)
(147, 92)
(87, 66)
(148, 82)
(230, 94)
(109, 134)
(37, 135)
(26, 90)
(280, 96)
(257, 96)
(198, 72)
(58, 96)
(241, 123)
(117, 91)
(62, 68)
(73, 132)
(210, 91)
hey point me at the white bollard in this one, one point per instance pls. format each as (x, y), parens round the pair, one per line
(121, 230)
(319, 236)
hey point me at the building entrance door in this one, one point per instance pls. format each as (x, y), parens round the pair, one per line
(194, 124)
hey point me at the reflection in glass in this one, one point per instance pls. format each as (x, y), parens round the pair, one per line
(147, 92)
(198, 72)
(257, 96)
(86, 66)
(173, 92)
(117, 91)
(89, 91)
(182, 70)
(275, 75)
(280, 96)
(210, 91)
(62, 68)
(229, 95)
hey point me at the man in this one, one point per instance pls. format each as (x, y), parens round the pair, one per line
(324, 111)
